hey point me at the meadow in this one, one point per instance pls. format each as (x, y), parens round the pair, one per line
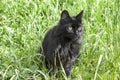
(23, 24)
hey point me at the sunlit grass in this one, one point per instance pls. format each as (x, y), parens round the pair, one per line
(23, 24)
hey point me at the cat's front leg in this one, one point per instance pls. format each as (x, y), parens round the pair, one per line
(68, 68)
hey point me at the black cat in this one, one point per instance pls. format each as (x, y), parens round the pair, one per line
(61, 43)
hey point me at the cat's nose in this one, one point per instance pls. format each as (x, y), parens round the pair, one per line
(76, 33)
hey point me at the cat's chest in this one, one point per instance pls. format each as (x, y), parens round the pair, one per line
(64, 51)
(64, 48)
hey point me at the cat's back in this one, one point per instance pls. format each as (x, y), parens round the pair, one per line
(47, 37)
(49, 34)
(49, 41)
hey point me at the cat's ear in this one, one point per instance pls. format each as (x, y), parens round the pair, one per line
(64, 14)
(79, 16)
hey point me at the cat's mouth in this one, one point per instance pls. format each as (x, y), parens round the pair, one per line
(71, 36)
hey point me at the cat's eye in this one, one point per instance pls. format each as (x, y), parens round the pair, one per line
(80, 28)
(69, 28)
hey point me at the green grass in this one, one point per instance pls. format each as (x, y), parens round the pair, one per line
(23, 24)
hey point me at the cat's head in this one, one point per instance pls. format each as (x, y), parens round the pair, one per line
(70, 26)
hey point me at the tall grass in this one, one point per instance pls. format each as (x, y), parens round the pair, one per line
(23, 24)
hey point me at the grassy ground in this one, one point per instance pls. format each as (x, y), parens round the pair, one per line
(23, 24)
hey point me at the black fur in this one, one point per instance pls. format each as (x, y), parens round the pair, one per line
(61, 43)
